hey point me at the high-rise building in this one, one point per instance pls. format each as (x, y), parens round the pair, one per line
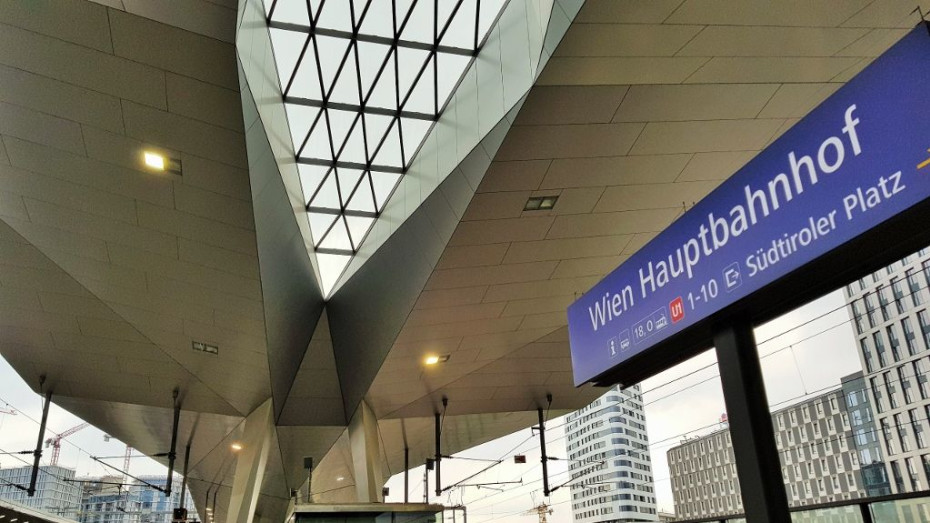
(610, 467)
(56, 491)
(891, 320)
(818, 450)
(137, 502)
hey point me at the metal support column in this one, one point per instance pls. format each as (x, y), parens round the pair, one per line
(172, 454)
(37, 453)
(406, 474)
(542, 447)
(751, 430)
(426, 469)
(187, 459)
(438, 457)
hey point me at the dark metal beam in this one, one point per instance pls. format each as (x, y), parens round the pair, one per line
(753, 436)
(544, 459)
(31, 491)
(172, 453)
(438, 458)
(409, 44)
(351, 165)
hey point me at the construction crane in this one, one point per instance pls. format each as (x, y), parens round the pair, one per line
(542, 510)
(55, 442)
(126, 457)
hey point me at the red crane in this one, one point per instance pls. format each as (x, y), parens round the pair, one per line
(55, 442)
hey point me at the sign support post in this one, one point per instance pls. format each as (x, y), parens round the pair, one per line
(751, 431)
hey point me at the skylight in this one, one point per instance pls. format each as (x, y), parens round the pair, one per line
(364, 81)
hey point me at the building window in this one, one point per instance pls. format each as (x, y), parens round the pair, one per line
(870, 310)
(916, 295)
(866, 355)
(880, 348)
(883, 302)
(897, 289)
(924, 321)
(894, 342)
(909, 336)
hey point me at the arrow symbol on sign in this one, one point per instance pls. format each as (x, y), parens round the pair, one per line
(924, 163)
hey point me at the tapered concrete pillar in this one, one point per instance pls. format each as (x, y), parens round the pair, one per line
(366, 455)
(250, 464)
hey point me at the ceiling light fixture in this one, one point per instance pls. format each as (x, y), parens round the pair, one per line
(340, 478)
(154, 160)
(541, 203)
(433, 359)
(236, 446)
(159, 162)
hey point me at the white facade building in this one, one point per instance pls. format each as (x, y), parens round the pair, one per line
(890, 309)
(611, 471)
(56, 491)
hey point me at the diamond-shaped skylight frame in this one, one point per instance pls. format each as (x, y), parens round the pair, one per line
(364, 81)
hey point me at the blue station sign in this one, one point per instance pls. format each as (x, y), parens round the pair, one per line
(856, 161)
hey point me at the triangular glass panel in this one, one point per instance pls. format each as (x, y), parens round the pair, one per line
(401, 10)
(354, 148)
(377, 126)
(317, 146)
(287, 46)
(341, 122)
(315, 6)
(422, 98)
(384, 184)
(384, 93)
(370, 58)
(348, 179)
(414, 133)
(346, 88)
(311, 176)
(389, 154)
(487, 15)
(379, 21)
(289, 11)
(337, 237)
(358, 228)
(335, 15)
(331, 268)
(331, 51)
(451, 67)
(319, 224)
(299, 119)
(420, 26)
(306, 82)
(445, 12)
(328, 195)
(358, 11)
(461, 32)
(362, 200)
(410, 62)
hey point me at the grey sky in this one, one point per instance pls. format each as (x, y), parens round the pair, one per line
(823, 348)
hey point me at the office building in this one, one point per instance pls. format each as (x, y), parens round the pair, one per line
(818, 451)
(610, 467)
(889, 311)
(56, 492)
(105, 501)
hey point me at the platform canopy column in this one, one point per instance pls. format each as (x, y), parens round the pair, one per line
(250, 464)
(366, 455)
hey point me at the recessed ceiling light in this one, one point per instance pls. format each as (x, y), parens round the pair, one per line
(541, 203)
(155, 160)
(340, 478)
(433, 359)
(236, 446)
